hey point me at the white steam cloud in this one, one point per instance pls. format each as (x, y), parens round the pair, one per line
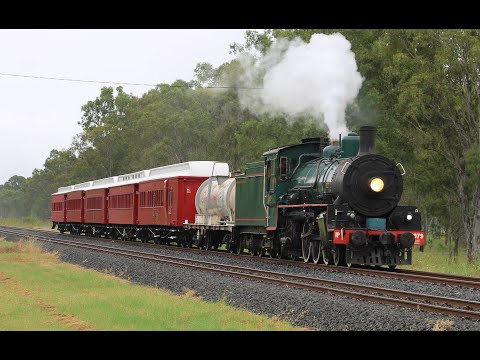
(319, 78)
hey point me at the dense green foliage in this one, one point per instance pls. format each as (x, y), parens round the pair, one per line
(421, 89)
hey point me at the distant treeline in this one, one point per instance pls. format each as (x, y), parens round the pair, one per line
(421, 90)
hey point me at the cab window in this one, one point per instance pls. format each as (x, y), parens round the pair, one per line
(268, 174)
(283, 173)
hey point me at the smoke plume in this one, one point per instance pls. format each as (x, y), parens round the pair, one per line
(319, 78)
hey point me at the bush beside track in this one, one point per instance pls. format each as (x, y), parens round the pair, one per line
(438, 258)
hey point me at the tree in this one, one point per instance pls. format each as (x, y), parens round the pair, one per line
(434, 76)
(105, 122)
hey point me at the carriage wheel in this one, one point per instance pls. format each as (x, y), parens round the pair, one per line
(239, 249)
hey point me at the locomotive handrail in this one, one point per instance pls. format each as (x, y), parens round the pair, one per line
(343, 168)
(402, 169)
(210, 186)
(263, 195)
(300, 162)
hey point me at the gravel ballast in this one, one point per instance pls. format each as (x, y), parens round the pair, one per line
(396, 284)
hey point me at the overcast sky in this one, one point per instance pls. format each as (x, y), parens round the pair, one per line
(37, 116)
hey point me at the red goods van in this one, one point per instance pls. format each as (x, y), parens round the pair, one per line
(96, 206)
(75, 207)
(58, 208)
(168, 202)
(122, 204)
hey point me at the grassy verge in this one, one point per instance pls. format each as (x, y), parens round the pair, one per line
(38, 292)
(30, 222)
(437, 257)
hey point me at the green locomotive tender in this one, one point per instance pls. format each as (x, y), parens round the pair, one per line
(334, 203)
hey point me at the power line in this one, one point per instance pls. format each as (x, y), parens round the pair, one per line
(122, 83)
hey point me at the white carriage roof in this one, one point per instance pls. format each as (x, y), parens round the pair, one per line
(191, 168)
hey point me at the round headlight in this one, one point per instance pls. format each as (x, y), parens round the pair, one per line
(376, 184)
(409, 217)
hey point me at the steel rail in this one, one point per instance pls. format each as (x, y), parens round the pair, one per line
(402, 274)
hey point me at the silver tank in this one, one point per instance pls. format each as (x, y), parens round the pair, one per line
(216, 197)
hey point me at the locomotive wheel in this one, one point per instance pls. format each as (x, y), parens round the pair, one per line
(315, 251)
(306, 249)
(339, 255)
(348, 258)
(327, 256)
(261, 252)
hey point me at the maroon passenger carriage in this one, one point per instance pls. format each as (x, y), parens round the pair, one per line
(58, 213)
(150, 204)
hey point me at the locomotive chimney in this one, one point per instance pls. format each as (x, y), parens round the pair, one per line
(367, 140)
(324, 142)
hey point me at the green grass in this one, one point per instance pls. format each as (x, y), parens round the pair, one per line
(38, 292)
(437, 257)
(30, 222)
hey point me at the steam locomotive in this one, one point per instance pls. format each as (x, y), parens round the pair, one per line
(333, 203)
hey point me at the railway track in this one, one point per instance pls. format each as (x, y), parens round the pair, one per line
(401, 274)
(423, 302)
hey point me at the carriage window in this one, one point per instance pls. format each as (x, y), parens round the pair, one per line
(283, 168)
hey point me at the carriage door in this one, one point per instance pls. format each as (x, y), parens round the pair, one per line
(156, 204)
(171, 203)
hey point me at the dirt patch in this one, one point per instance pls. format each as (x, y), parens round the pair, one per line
(22, 246)
(62, 318)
